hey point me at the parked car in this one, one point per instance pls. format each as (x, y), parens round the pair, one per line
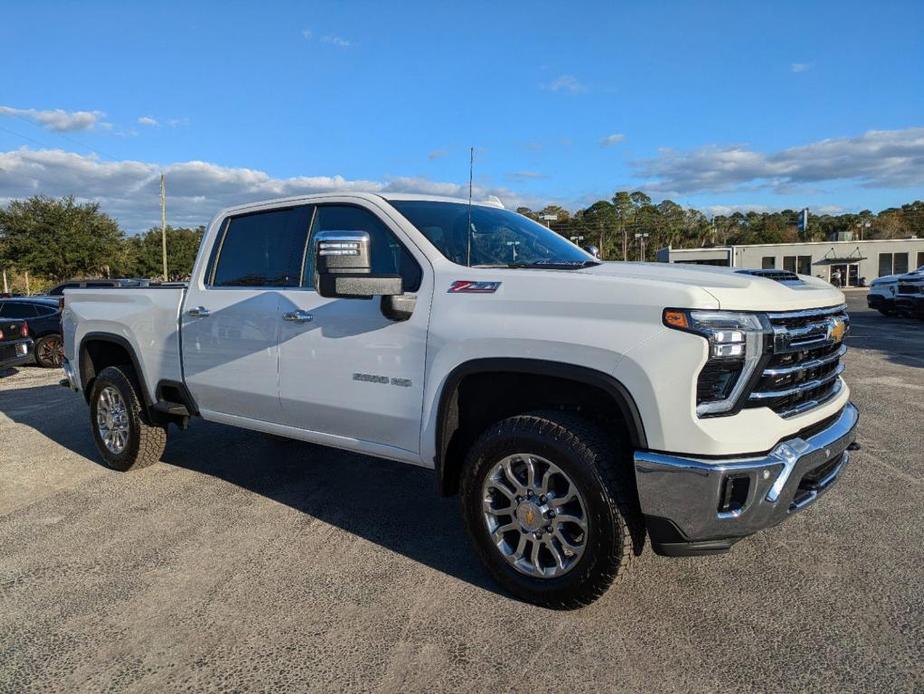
(58, 290)
(881, 296)
(44, 316)
(15, 343)
(909, 296)
(574, 405)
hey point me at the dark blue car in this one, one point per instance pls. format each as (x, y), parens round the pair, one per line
(44, 317)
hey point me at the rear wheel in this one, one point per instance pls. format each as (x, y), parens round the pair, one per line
(550, 508)
(49, 351)
(123, 435)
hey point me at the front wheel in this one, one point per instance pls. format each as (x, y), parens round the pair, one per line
(123, 435)
(549, 505)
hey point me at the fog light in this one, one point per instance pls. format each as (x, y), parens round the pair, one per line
(734, 493)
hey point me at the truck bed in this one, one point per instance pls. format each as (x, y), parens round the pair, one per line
(146, 318)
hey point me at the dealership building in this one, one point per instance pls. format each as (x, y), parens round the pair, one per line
(850, 261)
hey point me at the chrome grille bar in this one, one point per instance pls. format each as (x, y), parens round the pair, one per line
(805, 361)
(808, 364)
(801, 388)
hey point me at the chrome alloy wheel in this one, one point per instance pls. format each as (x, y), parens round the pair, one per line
(535, 515)
(112, 420)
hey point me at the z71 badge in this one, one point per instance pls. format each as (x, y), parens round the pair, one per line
(470, 287)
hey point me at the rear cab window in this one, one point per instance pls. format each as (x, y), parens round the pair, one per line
(262, 249)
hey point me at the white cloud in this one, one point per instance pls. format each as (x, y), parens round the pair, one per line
(147, 120)
(196, 190)
(331, 39)
(875, 159)
(437, 154)
(56, 120)
(525, 175)
(611, 140)
(565, 83)
(801, 67)
(338, 41)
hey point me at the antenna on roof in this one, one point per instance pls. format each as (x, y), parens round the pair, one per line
(471, 169)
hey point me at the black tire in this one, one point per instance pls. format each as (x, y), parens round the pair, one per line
(146, 441)
(601, 469)
(49, 351)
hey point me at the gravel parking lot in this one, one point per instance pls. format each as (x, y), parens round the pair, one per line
(246, 563)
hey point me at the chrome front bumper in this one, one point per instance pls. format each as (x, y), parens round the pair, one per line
(699, 506)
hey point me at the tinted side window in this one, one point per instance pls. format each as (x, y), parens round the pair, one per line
(389, 256)
(264, 249)
(42, 310)
(12, 309)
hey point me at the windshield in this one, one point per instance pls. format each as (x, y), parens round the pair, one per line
(498, 237)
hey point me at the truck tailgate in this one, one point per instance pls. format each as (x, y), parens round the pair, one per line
(144, 319)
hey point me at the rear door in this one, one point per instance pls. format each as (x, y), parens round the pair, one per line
(231, 318)
(348, 373)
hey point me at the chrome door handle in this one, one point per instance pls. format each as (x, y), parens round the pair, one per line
(297, 317)
(198, 312)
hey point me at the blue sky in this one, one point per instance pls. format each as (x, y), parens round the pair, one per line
(713, 104)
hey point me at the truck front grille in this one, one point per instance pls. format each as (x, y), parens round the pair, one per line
(804, 361)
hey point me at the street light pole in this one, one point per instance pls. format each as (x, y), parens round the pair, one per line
(163, 222)
(641, 245)
(549, 218)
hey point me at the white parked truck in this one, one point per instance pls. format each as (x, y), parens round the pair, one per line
(580, 409)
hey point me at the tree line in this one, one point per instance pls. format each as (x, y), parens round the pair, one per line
(58, 239)
(54, 239)
(611, 225)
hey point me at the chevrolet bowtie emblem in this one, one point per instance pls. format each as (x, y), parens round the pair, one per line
(836, 330)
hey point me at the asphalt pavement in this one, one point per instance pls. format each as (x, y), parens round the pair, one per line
(243, 563)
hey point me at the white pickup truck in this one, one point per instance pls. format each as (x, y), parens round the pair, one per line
(578, 407)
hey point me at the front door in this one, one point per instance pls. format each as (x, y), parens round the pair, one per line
(232, 315)
(348, 373)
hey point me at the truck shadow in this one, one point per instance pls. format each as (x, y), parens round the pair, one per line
(391, 504)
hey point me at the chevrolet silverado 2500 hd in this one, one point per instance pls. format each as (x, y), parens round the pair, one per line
(578, 408)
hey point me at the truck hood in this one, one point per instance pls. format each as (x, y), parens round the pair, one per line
(731, 288)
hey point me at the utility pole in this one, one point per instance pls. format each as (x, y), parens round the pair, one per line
(28, 289)
(6, 286)
(163, 222)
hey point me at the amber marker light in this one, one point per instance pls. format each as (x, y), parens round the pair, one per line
(676, 319)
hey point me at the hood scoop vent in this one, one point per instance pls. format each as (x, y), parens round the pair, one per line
(781, 276)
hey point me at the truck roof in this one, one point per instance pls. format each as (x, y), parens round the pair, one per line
(492, 200)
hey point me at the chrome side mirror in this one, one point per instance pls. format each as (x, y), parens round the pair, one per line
(343, 262)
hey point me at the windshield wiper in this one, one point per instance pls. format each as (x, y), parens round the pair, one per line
(555, 264)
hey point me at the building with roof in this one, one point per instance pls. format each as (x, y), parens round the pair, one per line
(842, 262)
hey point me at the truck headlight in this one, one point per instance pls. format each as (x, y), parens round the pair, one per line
(736, 345)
